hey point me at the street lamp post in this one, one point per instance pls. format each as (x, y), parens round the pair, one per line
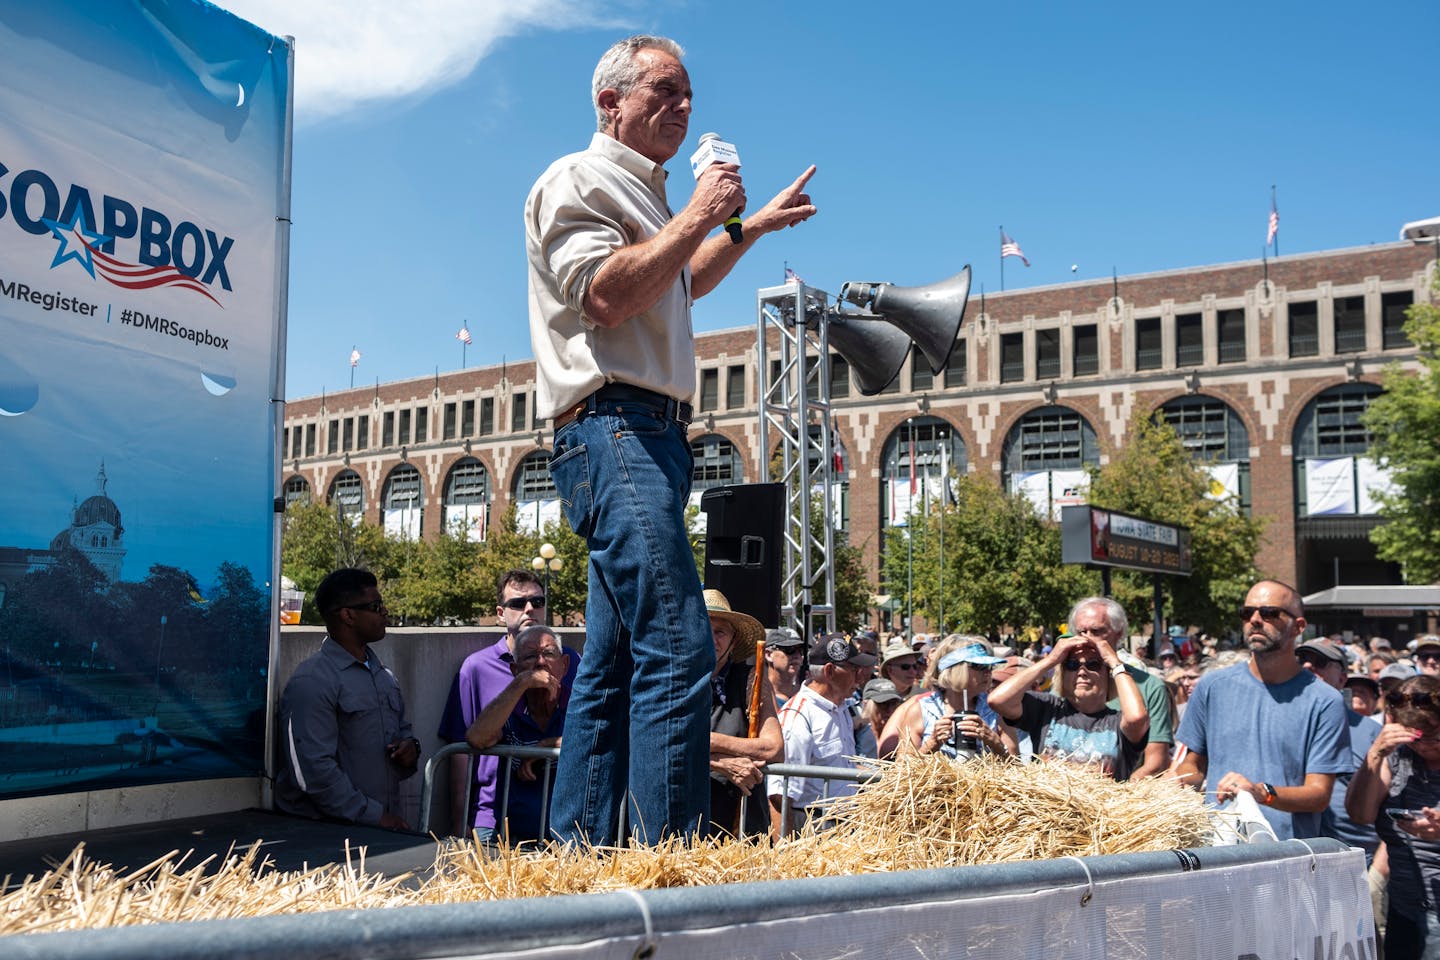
(545, 564)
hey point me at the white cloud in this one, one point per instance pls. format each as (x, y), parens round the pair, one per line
(353, 52)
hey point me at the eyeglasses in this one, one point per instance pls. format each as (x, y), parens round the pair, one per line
(1266, 613)
(1095, 665)
(1092, 631)
(905, 666)
(1418, 698)
(1427, 657)
(374, 606)
(545, 653)
(520, 603)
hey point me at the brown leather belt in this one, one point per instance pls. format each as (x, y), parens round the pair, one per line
(621, 394)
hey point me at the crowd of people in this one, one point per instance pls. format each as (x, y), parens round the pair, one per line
(1331, 736)
(612, 273)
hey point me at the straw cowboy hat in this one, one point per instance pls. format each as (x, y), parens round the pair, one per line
(748, 632)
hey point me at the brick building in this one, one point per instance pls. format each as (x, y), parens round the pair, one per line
(1264, 379)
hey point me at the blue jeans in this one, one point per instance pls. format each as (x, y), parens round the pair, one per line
(639, 716)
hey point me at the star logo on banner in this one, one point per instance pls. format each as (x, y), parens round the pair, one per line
(77, 241)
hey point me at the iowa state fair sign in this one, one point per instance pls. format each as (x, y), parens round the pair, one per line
(143, 198)
(1108, 538)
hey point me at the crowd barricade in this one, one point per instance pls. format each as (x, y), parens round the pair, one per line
(786, 771)
(1263, 900)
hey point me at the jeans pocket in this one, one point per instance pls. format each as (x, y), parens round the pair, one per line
(571, 473)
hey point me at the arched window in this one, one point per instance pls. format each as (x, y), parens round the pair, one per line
(1215, 436)
(467, 499)
(533, 480)
(469, 482)
(1335, 485)
(404, 500)
(297, 489)
(537, 502)
(716, 463)
(1333, 475)
(1045, 456)
(933, 449)
(348, 490)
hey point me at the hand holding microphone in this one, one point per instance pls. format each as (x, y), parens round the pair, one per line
(713, 151)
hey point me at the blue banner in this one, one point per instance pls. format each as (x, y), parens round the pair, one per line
(143, 185)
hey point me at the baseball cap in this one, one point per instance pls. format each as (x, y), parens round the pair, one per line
(1362, 678)
(894, 651)
(975, 653)
(1397, 671)
(881, 691)
(783, 640)
(1326, 649)
(837, 648)
(1429, 640)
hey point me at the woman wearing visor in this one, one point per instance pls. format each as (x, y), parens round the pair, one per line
(954, 718)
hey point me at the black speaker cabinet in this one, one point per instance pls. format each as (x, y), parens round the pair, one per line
(742, 546)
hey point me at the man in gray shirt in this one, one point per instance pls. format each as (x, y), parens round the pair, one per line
(612, 274)
(345, 744)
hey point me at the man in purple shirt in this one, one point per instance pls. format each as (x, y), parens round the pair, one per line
(482, 677)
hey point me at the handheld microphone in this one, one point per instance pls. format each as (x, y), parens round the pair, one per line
(714, 150)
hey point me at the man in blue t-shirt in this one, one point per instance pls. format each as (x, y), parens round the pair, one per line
(1268, 728)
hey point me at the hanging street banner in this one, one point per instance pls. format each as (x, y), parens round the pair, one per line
(144, 204)
(1107, 538)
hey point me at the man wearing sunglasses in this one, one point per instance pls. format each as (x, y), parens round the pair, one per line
(1268, 727)
(482, 678)
(344, 740)
(1079, 725)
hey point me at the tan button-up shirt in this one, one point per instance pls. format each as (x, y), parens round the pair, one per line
(582, 209)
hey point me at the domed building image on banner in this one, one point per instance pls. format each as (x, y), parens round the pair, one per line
(95, 530)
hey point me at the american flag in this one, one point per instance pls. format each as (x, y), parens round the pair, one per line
(464, 335)
(354, 358)
(1009, 248)
(792, 275)
(1274, 226)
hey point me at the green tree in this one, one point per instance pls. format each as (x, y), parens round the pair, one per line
(1404, 424)
(317, 539)
(507, 547)
(1000, 558)
(1155, 477)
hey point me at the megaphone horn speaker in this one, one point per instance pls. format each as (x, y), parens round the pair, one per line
(929, 315)
(875, 350)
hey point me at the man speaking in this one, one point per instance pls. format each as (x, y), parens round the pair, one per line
(612, 275)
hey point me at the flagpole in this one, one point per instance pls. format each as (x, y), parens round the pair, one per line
(1273, 209)
(352, 366)
(910, 540)
(944, 498)
(1002, 258)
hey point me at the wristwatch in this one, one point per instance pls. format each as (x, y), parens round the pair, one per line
(1270, 795)
(1116, 670)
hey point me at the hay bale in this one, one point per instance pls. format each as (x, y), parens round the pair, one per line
(922, 812)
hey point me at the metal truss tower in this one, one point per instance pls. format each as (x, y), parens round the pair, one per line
(794, 377)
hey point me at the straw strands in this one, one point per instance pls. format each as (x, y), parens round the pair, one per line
(923, 812)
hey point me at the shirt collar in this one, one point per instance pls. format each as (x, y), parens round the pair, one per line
(645, 169)
(342, 657)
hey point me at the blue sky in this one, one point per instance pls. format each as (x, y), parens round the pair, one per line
(1127, 135)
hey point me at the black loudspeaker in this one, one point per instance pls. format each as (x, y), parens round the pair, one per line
(742, 546)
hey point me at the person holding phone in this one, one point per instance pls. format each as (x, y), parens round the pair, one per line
(1397, 788)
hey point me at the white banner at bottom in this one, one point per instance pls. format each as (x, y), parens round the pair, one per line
(1297, 908)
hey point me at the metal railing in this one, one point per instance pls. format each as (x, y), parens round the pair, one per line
(786, 771)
